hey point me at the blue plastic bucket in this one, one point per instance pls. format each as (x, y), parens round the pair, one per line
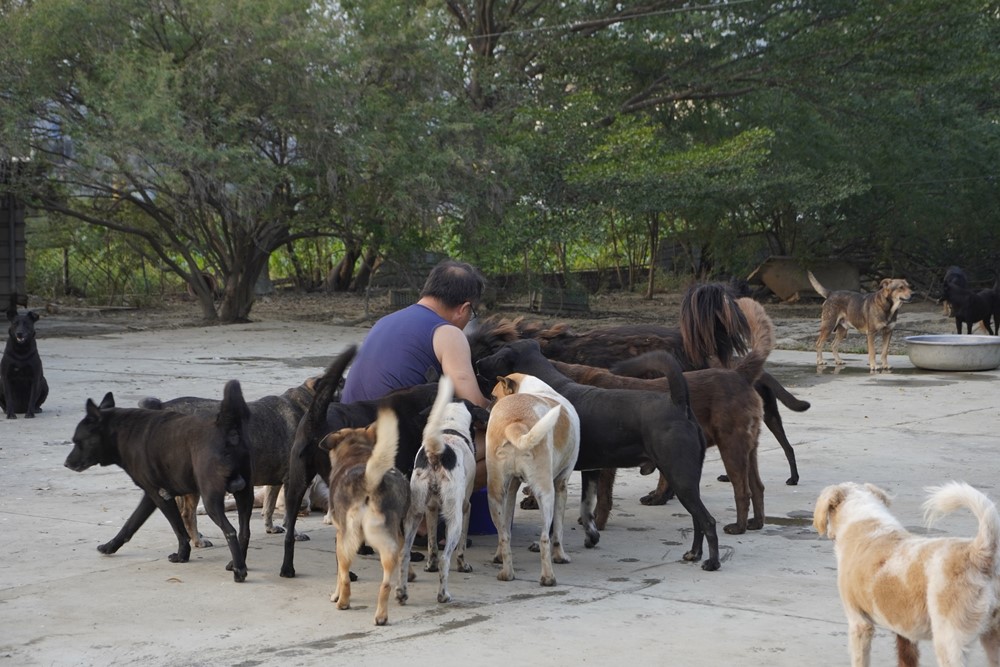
(480, 521)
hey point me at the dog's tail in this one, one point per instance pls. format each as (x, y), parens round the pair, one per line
(823, 292)
(231, 420)
(751, 364)
(528, 439)
(150, 403)
(782, 394)
(313, 423)
(383, 456)
(433, 443)
(955, 495)
(712, 325)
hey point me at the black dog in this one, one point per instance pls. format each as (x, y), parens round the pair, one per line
(625, 428)
(969, 306)
(24, 388)
(168, 454)
(325, 416)
(270, 432)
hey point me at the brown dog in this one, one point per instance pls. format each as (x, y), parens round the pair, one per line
(370, 499)
(945, 588)
(868, 313)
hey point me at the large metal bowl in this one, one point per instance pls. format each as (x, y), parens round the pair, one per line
(950, 352)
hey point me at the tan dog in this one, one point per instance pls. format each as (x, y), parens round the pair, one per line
(868, 313)
(533, 436)
(370, 499)
(945, 588)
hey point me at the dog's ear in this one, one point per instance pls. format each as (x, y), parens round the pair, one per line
(480, 416)
(108, 401)
(886, 283)
(506, 386)
(827, 503)
(93, 412)
(33, 315)
(879, 493)
(371, 432)
(330, 441)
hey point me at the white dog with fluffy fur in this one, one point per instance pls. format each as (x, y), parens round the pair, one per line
(941, 588)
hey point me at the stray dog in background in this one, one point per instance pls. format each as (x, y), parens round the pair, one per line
(941, 588)
(955, 276)
(168, 454)
(533, 436)
(22, 384)
(970, 307)
(270, 431)
(868, 313)
(370, 499)
(444, 472)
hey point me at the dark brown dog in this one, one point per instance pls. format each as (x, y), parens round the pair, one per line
(622, 428)
(727, 408)
(870, 314)
(168, 454)
(370, 499)
(270, 431)
(23, 387)
(324, 416)
(607, 346)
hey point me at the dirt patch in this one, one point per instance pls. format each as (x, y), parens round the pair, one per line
(796, 324)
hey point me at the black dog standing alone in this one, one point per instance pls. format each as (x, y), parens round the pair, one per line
(24, 388)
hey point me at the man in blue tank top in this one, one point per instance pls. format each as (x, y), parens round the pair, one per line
(421, 342)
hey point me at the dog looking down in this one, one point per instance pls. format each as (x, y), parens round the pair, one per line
(940, 588)
(23, 387)
(168, 454)
(533, 437)
(444, 472)
(369, 499)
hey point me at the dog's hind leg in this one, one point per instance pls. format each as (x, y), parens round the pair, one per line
(590, 480)
(991, 644)
(734, 458)
(501, 495)
(345, 552)
(559, 554)
(756, 490)
(605, 499)
(188, 506)
(886, 336)
(389, 545)
(267, 511)
(772, 419)
(215, 508)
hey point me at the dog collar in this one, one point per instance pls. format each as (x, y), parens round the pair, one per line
(463, 436)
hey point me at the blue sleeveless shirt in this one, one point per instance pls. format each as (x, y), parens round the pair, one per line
(398, 352)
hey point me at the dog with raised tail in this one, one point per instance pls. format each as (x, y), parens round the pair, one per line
(533, 436)
(444, 473)
(370, 499)
(870, 314)
(942, 588)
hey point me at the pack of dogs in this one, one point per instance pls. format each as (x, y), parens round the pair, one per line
(639, 396)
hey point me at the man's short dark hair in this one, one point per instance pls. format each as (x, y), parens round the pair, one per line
(454, 283)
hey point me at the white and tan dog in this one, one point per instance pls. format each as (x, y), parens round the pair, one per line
(940, 588)
(533, 436)
(444, 472)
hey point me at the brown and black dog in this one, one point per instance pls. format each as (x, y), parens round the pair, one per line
(370, 499)
(324, 416)
(870, 314)
(727, 407)
(270, 431)
(624, 428)
(23, 387)
(168, 454)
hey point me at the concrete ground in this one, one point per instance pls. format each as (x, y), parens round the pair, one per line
(629, 601)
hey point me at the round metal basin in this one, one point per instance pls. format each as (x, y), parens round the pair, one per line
(952, 352)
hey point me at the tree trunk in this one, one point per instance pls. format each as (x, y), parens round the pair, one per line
(653, 227)
(339, 279)
(368, 266)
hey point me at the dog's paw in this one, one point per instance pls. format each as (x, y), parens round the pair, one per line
(29, 415)
(722, 478)
(382, 620)
(463, 567)
(287, 572)
(534, 548)
(402, 596)
(240, 575)
(505, 575)
(181, 558)
(547, 581)
(561, 559)
(792, 481)
(529, 503)
(710, 565)
(301, 537)
(692, 556)
(735, 529)
(11, 415)
(444, 597)
(593, 537)
(274, 530)
(654, 498)
(755, 524)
